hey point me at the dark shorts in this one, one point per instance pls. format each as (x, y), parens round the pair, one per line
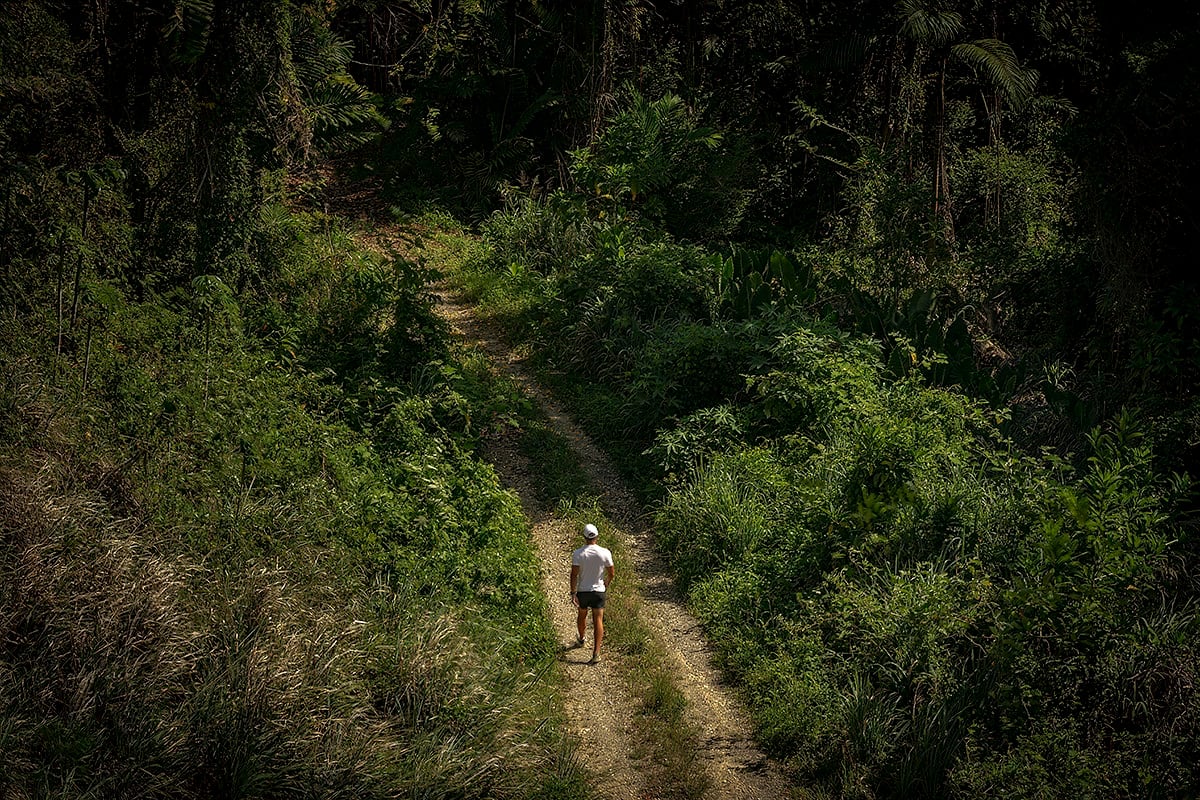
(590, 599)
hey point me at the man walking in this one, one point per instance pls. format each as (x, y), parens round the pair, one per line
(591, 575)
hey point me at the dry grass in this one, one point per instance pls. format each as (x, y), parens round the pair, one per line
(127, 671)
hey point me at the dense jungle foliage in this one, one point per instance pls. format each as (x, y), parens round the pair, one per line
(889, 308)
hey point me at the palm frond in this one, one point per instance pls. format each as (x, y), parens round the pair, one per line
(546, 99)
(928, 23)
(340, 111)
(317, 53)
(343, 114)
(997, 61)
(840, 54)
(338, 103)
(188, 29)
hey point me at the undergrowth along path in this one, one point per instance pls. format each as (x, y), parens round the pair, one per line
(599, 703)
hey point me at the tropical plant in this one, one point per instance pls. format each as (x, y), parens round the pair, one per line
(937, 32)
(655, 158)
(341, 113)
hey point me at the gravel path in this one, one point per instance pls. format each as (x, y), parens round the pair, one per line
(737, 768)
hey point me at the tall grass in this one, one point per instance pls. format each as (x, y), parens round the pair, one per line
(129, 672)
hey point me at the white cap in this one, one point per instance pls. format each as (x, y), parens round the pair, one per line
(590, 532)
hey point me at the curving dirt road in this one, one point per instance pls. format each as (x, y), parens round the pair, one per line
(736, 767)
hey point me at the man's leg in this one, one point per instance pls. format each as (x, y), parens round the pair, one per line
(581, 622)
(598, 625)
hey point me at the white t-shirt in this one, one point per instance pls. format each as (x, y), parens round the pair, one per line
(591, 560)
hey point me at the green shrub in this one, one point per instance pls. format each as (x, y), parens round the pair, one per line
(542, 236)
(902, 600)
(655, 159)
(684, 367)
(913, 605)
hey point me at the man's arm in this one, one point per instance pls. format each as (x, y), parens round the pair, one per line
(609, 572)
(574, 578)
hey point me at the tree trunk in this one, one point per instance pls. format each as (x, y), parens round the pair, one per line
(87, 197)
(240, 97)
(941, 177)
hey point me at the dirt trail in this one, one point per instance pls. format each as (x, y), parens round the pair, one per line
(600, 710)
(737, 768)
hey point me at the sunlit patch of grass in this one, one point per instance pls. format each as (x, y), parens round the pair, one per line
(663, 697)
(559, 475)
